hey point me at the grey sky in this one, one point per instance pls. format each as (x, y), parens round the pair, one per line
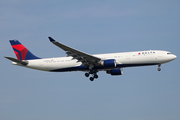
(141, 93)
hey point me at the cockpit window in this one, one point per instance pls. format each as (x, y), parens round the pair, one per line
(168, 53)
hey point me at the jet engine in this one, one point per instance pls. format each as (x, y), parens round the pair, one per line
(111, 63)
(118, 71)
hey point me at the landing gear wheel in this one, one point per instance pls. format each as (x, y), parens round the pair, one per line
(159, 69)
(96, 76)
(87, 74)
(91, 78)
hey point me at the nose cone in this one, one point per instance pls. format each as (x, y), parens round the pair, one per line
(174, 57)
(167, 58)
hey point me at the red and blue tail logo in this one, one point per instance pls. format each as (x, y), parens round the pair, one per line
(22, 53)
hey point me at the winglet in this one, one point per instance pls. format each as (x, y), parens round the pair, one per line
(51, 39)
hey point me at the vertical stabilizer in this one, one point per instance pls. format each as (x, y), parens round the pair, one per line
(22, 53)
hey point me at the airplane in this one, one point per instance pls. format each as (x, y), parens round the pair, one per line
(112, 63)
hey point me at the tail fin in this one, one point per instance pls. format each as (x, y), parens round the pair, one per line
(22, 53)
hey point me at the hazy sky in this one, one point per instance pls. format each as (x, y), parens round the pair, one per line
(103, 26)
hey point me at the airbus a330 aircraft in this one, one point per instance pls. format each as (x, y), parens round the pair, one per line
(76, 60)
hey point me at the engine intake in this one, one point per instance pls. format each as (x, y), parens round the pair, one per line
(108, 63)
(118, 71)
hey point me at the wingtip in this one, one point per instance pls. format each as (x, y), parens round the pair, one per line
(51, 39)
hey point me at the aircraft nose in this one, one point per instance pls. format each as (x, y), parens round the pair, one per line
(174, 56)
(171, 57)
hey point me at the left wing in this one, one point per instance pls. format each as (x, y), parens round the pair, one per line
(85, 58)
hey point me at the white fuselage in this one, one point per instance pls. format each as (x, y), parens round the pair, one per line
(123, 59)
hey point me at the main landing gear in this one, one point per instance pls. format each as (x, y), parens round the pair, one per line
(94, 75)
(159, 69)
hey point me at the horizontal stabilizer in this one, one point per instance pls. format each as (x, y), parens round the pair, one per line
(17, 61)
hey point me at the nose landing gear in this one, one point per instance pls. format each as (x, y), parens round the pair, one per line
(159, 69)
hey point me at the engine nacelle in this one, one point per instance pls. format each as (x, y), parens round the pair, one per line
(108, 63)
(118, 71)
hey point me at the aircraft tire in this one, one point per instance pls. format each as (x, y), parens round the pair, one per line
(91, 78)
(96, 76)
(87, 74)
(159, 69)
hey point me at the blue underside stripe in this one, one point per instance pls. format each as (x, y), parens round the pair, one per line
(83, 68)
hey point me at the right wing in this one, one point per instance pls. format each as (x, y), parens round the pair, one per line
(85, 58)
